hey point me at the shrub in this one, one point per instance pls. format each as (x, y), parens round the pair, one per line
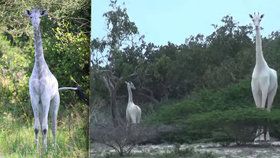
(124, 138)
(121, 138)
(231, 97)
(237, 125)
(224, 115)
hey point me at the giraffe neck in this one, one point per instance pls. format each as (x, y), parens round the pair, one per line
(260, 61)
(40, 62)
(130, 98)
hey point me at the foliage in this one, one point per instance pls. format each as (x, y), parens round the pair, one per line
(15, 23)
(66, 49)
(65, 33)
(208, 76)
(67, 54)
(174, 71)
(231, 97)
(14, 77)
(239, 125)
(108, 55)
(224, 116)
(71, 140)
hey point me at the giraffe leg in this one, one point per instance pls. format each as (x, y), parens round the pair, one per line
(258, 137)
(264, 96)
(127, 117)
(257, 97)
(267, 135)
(45, 111)
(270, 98)
(133, 116)
(54, 110)
(264, 88)
(138, 116)
(262, 133)
(263, 102)
(35, 107)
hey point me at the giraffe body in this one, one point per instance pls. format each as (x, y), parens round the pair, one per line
(43, 86)
(264, 80)
(133, 112)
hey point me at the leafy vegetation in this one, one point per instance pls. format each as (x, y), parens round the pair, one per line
(226, 115)
(202, 86)
(65, 33)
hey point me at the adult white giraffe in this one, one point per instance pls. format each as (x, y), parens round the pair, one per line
(43, 86)
(264, 79)
(133, 112)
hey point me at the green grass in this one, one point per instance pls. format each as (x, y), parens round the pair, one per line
(17, 139)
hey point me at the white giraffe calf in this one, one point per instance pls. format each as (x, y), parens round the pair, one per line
(133, 112)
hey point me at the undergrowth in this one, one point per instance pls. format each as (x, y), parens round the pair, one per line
(17, 138)
(222, 115)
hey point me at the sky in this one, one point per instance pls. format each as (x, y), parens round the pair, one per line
(175, 20)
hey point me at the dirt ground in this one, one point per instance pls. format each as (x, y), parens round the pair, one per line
(250, 151)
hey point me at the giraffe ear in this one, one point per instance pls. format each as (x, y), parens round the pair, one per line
(44, 12)
(27, 12)
(262, 15)
(251, 16)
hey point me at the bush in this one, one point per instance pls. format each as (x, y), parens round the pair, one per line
(236, 125)
(225, 115)
(231, 97)
(121, 138)
(124, 138)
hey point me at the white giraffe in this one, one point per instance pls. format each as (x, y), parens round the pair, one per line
(133, 112)
(43, 86)
(264, 79)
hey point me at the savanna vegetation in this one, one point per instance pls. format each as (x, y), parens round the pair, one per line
(202, 86)
(65, 33)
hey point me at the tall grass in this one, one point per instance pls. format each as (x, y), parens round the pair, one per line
(17, 138)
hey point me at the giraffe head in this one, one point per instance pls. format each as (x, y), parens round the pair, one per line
(35, 16)
(130, 85)
(257, 18)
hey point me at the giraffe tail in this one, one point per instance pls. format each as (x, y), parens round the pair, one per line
(78, 91)
(68, 88)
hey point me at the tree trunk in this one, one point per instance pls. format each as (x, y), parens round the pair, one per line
(114, 108)
(113, 94)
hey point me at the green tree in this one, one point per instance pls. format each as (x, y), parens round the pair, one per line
(111, 52)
